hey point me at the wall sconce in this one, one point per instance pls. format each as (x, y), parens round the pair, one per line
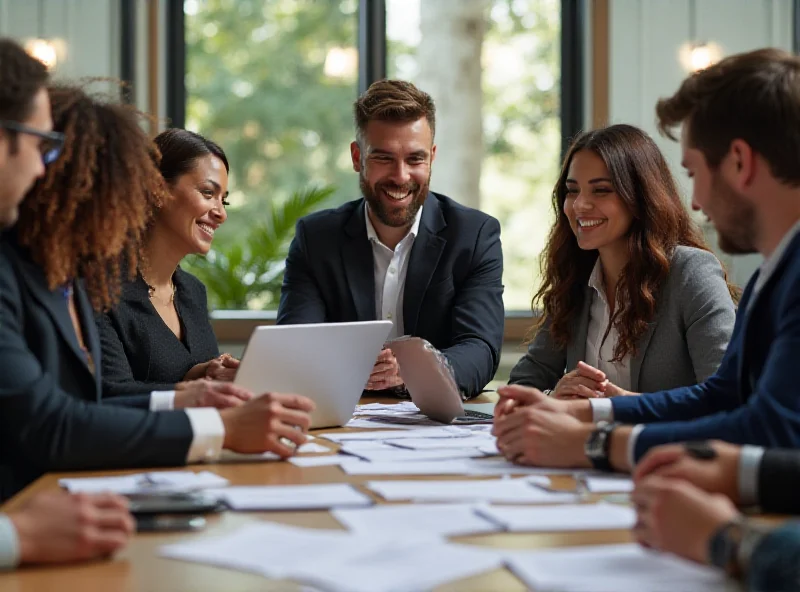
(341, 62)
(43, 50)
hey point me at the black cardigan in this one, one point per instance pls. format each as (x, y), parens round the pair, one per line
(140, 353)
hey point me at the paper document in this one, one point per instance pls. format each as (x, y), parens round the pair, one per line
(561, 518)
(621, 484)
(432, 467)
(622, 568)
(232, 457)
(386, 408)
(293, 497)
(424, 432)
(519, 491)
(400, 455)
(434, 519)
(378, 423)
(145, 482)
(320, 461)
(500, 466)
(339, 561)
(439, 443)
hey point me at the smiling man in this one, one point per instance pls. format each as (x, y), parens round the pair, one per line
(401, 252)
(740, 139)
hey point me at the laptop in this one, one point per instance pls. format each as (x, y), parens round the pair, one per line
(329, 363)
(432, 387)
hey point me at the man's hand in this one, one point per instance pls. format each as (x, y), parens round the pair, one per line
(677, 517)
(222, 368)
(208, 393)
(57, 527)
(514, 396)
(541, 436)
(716, 475)
(265, 423)
(385, 373)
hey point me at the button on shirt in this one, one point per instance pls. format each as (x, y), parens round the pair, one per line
(599, 353)
(390, 268)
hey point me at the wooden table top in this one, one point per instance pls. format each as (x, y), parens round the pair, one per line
(139, 568)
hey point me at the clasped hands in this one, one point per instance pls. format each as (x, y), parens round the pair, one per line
(586, 382)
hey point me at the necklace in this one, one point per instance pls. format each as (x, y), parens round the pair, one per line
(151, 292)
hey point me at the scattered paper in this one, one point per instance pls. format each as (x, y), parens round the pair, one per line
(519, 491)
(433, 467)
(439, 443)
(622, 568)
(400, 455)
(156, 481)
(561, 518)
(616, 484)
(320, 461)
(500, 466)
(434, 519)
(292, 497)
(230, 456)
(424, 432)
(365, 422)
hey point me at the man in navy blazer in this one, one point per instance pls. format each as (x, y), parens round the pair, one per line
(403, 253)
(740, 140)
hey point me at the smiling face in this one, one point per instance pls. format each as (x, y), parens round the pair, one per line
(394, 165)
(732, 215)
(197, 207)
(598, 216)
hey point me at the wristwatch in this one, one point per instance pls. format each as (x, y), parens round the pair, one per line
(731, 546)
(598, 444)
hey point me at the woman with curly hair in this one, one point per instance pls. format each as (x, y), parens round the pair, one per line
(159, 333)
(60, 264)
(632, 299)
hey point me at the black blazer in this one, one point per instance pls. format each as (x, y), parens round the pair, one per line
(140, 353)
(778, 476)
(453, 292)
(51, 416)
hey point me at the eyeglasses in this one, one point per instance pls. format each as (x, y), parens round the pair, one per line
(52, 142)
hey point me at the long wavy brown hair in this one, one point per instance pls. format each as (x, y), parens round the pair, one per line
(86, 216)
(641, 177)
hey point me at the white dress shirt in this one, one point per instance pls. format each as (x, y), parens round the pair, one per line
(750, 459)
(390, 268)
(208, 431)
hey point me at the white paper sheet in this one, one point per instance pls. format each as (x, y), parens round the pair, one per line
(229, 456)
(387, 408)
(320, 461)
(622, 568)
(400, 455)
(423, 432)
(433, 467)
(434, 519)
(500, 466)
(518, 491)
(293, 497)
(570, 517)
(615, 484)
(337, 560)
(145, 482)
(439, 443)
(364, 445)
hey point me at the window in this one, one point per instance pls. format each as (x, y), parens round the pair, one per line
(273, 82)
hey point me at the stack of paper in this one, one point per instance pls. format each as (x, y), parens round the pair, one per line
(422, 432)
(156, 481)
(433, 519)
(612, 484)
(399, 455)
(519, 491)
(622, 568)
(472, 441)
(561, 518)
(292, 497)
(339, 561)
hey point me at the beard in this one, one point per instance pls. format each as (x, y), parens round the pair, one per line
(736, 220)
(389, 214)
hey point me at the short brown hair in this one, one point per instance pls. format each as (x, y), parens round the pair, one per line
(752, 96)
(393, 100)
(21, 78)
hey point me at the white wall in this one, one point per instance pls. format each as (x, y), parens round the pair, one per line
(89, 30)
(646, 37)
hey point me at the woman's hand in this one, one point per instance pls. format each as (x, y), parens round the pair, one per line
(222, 368)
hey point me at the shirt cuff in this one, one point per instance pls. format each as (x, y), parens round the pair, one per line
(602, 410)
(637, 429)
(162, 400)
(749, 464)
(9, 544)
(208, 435)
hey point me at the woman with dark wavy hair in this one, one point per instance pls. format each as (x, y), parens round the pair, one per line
(632, 299)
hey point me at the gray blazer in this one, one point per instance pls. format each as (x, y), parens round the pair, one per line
(683, 345)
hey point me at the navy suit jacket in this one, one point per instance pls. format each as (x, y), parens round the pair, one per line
(754, 397)
(453, 292)
(51, 416)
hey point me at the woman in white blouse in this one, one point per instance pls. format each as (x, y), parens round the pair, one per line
(632, 299)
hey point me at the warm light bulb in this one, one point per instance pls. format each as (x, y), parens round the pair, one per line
(341, 62)
(698, 56)
(43, 50)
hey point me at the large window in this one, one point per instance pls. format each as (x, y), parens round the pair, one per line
(273, 82)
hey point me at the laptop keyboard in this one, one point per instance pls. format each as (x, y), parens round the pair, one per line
(477, 414)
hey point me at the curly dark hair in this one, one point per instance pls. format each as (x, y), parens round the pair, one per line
(641, 177)
(23, 77)
(85, 218)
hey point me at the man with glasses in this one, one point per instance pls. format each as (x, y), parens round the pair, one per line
(51, 527)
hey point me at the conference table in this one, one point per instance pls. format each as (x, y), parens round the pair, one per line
(139, 567)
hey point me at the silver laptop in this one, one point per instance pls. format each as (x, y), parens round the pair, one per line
(431, 385)
(329, 363)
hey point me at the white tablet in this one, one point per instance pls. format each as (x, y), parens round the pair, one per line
(329, 363)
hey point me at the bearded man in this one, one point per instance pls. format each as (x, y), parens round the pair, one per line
(402, 252)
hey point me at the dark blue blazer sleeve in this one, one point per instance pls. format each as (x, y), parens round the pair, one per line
(478, 315)
(301, 299)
